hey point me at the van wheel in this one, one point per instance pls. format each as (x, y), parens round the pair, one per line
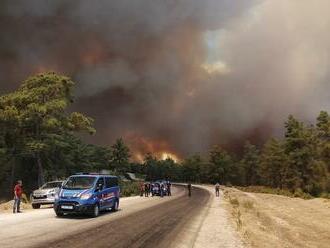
(115, 206)
(35, 206)
(96, 211)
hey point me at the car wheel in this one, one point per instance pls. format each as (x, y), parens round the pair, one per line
(59, 214)
(96, 210)
(115, 206)
(35, 206)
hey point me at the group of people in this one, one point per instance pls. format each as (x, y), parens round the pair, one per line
(147, 188)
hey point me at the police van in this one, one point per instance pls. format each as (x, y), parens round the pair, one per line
(87, 194)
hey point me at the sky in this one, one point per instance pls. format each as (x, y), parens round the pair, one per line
(176, 76)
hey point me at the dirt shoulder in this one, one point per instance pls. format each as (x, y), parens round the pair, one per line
(213, 227)
(266, 220)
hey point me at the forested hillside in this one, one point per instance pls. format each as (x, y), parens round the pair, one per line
(39, 141)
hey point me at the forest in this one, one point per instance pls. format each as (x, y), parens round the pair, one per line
(40, 140)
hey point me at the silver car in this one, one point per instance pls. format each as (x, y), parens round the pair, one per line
(45, 194)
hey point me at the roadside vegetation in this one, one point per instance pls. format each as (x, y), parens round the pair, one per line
(269, 220)
(40, 141)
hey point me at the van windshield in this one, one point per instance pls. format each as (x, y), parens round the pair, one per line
(79, 183)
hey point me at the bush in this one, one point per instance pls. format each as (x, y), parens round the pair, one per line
(301, 194)
(129, 188)
(234, 202)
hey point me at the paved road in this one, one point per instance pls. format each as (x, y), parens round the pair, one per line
(141, 222)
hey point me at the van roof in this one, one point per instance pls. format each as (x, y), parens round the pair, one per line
(93, 175)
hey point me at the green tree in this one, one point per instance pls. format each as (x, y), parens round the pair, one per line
(250, 164)
(220, 165)
(273, 162)
(151, 164)
(305, 170)
(120, 155)
(35, 112)
(192, 168)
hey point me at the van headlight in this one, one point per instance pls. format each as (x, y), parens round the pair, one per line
(85, 196)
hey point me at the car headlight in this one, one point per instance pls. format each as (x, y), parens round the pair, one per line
(56, 196)
(85, 196)
(52, 191)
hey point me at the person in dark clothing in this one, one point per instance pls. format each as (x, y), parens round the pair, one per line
(162, 189)
(146, 189)
(189, 189)
(217, 190)
(169, 188)
(17, 197)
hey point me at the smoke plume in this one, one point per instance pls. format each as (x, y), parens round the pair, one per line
(176, 75)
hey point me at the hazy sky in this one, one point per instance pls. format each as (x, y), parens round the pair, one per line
(176, 75)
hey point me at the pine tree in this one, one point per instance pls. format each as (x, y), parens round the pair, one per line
(120, 155)
(250, 164)
(220, 165)
(273, 163)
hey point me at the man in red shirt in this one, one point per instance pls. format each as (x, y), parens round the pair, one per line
(17, 197)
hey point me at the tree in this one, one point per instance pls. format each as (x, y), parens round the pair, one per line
(120, 155)
(36, 111)
(305, 170)
(220, 165)
(273, 162)
(151, 167)
(192, 168)
(250, 163)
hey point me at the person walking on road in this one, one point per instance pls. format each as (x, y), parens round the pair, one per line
(17, 196)
(217, 190)
(189, 189)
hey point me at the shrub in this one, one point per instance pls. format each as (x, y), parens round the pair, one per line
(248, 204)
(129, 188)
(234, 202)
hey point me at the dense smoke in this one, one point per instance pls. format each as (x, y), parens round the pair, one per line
(176, 75)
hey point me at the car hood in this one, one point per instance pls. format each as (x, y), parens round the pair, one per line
(69, 193)
(44, 191)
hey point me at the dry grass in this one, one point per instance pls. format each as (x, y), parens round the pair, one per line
(266, 220)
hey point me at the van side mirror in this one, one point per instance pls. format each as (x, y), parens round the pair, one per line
(98, 187)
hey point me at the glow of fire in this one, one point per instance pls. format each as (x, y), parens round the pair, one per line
(168, 155)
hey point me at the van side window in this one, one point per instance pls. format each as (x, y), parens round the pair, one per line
(100, 181)
(111, 182)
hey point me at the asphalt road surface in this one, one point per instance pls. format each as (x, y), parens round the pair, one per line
(141, 222)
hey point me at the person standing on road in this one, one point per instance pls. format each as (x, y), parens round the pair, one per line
(189, 189)
(162, 189)
(151, 189)
(169, 188)
(141, 189)
(17, 196)
(217, 190)
(146, 189)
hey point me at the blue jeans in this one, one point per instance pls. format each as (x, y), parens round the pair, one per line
(17, 204)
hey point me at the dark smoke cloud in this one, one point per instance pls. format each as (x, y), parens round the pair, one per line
(175, 75)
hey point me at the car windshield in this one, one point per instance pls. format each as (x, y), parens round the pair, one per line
(51, 185)
(79, 183)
